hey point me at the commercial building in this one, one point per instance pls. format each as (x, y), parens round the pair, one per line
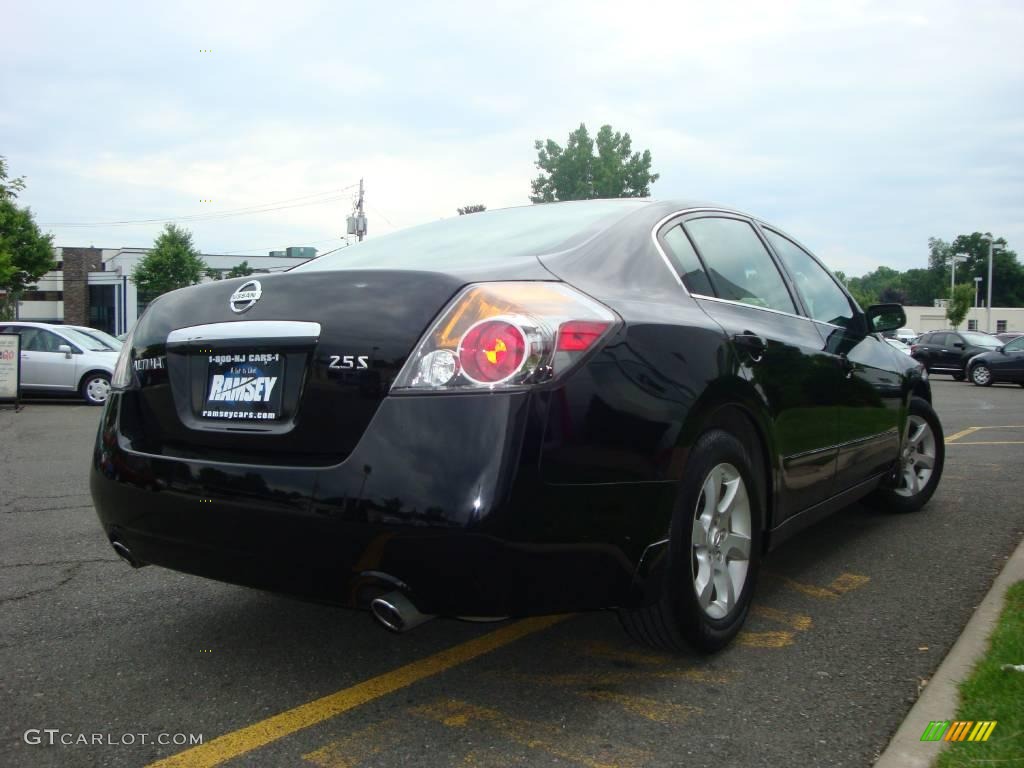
(92, 286)
(1004, 319)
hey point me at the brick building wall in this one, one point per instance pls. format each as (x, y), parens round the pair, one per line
(78, 263)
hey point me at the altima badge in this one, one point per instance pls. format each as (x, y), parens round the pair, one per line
(247, 294)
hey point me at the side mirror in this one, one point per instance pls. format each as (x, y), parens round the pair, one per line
(1002, 350)
(66, 349)
(885, 317)
(958, 344)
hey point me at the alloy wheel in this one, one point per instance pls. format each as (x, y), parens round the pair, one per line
(918, 459)
(981, 375)
(720, 541)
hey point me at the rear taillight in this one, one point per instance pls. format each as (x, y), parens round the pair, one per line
(123, 373)
(913, 348)
(506, 335)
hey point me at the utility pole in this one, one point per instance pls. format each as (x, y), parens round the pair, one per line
(357, 221)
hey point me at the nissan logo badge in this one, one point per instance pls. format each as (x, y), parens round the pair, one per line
(247, 294)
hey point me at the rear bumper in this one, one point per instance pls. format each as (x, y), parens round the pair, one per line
(442, 494)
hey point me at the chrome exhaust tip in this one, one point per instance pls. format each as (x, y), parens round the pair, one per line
(126, 554)
(396, 612)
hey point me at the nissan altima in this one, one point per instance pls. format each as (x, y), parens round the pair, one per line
(608, 404)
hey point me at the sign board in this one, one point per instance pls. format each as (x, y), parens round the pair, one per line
(10, 367)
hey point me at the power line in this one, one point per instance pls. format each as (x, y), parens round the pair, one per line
(334, 196)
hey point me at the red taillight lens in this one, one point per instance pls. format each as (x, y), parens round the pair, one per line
(492, 351)
(913, 348)
(506, 335)
(579, 335)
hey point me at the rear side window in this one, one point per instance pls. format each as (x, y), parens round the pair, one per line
(739, 266)
(825, 300)
(939, 339)
(687, 263)
(38, 340)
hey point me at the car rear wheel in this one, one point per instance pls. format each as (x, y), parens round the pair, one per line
(981, 375)
(714, 553)
(95, 388)
(922, 457)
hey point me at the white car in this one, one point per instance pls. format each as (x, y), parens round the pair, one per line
(101, 336)
(906, 335)
(57, 359)
(897, 344)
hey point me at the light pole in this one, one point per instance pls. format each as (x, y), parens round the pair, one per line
(977, 281)
(987, 237)
(952, 275)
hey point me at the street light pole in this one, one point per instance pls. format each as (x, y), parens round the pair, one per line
(952, 275)
(977, 281)
(987, 237)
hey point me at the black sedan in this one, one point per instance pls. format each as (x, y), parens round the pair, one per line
(948, 351)
(602, 404)
(1003, 364)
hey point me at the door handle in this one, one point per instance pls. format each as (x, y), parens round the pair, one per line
(750, 343)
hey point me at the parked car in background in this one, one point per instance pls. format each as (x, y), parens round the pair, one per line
(949, 351)
(57, 359)
(1009, 336)
(595, 404)
(906, 335)
(103, 337)
(1003, 364)
(897, 344)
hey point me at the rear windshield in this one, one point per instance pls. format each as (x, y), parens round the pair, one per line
(480, 239)
(980, 339)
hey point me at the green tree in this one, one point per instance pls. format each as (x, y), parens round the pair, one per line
(173, 263)
(242, 270)
(26, 254)
(576, 173)
(474, 208)
(959, 304)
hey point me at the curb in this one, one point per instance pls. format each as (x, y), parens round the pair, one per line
(940, 698)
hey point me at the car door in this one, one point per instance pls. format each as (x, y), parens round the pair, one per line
(870, 394)
(951, 353)
(44, 366)
(1011, 361)
(779, 350)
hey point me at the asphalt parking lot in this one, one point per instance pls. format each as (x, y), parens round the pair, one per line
(851, 618)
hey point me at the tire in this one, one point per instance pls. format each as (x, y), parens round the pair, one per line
(95, 388)
(717, 549)
(981, 375)
(915, 481)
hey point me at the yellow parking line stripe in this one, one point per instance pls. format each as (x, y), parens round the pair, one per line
(961, 433)
(847, 582)
(843, 583)
(575, 745)
(357, 747)
(628, 655)
(581, 679)
(797, 621)
(259, 734)
(774, 639)
(652, 709)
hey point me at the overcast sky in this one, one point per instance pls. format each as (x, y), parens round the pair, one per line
(862, 128)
